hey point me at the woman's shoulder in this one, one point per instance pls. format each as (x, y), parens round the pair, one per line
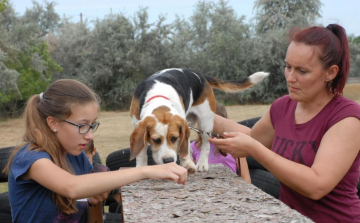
(342, 99)
(341, 103)
(340, 108)
(283, 100)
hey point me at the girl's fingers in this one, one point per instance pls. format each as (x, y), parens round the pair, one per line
(182, 176)
(99, 198)
(179, 174)
(105, 195)
(174, 178)
(170, 171)
(93, 200)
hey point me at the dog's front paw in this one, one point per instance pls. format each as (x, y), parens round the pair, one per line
(190, 166)
(202, 166)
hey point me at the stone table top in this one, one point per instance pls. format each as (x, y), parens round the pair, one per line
(218, 195)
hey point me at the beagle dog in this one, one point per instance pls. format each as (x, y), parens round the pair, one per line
(164, 103)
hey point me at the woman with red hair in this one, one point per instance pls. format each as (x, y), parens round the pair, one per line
(309, 138)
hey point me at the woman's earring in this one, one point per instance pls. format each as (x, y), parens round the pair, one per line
(55, 130)
(329, 84)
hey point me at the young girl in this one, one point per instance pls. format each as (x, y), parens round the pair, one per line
(50, 171)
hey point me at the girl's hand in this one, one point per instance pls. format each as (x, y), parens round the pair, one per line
(98, 199)
(171, 171)
(235, 143)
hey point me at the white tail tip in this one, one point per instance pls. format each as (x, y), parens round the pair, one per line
(257, 77)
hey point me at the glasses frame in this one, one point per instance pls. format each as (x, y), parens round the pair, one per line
(92, 126)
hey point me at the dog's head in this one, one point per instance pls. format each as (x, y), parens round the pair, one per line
(167, 133)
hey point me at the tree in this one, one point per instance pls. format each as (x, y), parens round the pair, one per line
(267, 49)
(3, 5)
(217, 34)
(69, 46)
(275, 14)
(354, 39)
(354, 45)
(42, 17)
(25, 63)
(117, 53)
(266, 53)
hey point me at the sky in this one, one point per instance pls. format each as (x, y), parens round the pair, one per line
(343, 12)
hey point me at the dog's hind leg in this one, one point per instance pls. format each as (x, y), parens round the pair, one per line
(203, 162)
(205, 122)
(205, 113)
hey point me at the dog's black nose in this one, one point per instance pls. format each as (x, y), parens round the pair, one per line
(168, 160)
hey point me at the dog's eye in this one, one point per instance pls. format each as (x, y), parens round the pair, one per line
(173, 139)
(157, 141)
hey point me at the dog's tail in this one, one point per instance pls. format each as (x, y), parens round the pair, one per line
(238, 85)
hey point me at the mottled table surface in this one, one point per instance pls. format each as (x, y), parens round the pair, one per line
(218, 195)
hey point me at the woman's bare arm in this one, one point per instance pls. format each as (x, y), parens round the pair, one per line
(222, 124)
(263, 131)
(336, 153)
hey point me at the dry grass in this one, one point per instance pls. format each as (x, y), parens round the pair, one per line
(352, 91)
(115, 129)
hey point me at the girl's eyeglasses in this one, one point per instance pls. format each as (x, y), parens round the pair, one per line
(85, 128)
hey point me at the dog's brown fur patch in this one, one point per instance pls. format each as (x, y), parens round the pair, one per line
(182, 102)
(135, 108)
(139, 136)
(162, 114)
(177, 128)
(229, 86)
(208, 94)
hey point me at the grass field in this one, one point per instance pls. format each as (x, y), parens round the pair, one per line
(115, 129)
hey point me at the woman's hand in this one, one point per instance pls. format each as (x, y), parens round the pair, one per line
(236, 143)
(171, 171)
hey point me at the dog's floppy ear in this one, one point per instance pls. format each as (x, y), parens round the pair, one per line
(184, 131)
(138, 138)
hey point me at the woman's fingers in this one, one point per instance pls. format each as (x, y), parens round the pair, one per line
(221, 144)
(230, 134)
(232, 143)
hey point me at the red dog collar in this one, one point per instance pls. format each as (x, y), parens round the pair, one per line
(156, 96)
